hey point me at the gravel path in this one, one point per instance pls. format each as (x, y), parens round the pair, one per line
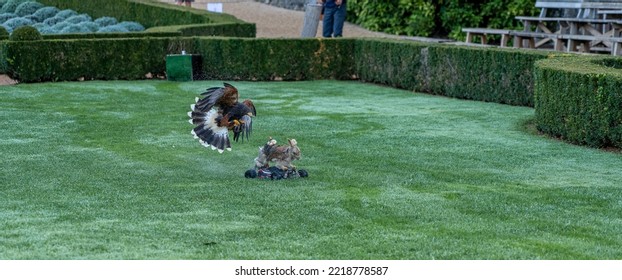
(275, 22)
(6, 81)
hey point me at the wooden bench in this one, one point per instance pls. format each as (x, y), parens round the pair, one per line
(616, 47)
(521, 37)
(582, 31)
(482, 33)
(584, 41)
(574, 41)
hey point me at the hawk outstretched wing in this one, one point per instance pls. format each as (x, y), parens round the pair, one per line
(219, 111)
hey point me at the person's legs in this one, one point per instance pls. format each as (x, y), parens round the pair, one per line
(340, 18)
(328, 22)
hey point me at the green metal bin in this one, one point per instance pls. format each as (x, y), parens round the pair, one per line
(183, 67)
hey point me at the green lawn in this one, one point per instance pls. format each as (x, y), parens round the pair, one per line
(109, 170)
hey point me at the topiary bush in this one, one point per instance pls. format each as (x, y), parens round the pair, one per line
(6, 16)
(66, 13)
(59, 26)
(90, 26)
(25, 33)
(53, 20)
(78, 19)
(42, 28)
(45, 13)
(32, 18)
(14, 23)
(28, 8)
(74, 28)
(131, 26)
(106, 21)
(112, 29)
(11, 6)
(4, 34)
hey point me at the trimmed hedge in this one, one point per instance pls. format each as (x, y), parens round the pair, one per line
(224, 58)
(486, 74)
(4, 34)
(103, 59)
(148, 13)
(162, 17)
(280, 59)
(4, 65)
(245, 30)
(110, 35)
(579, 99)
(25, 33)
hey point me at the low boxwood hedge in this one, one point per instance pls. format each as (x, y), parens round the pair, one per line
(105, 59)
(224, 58)
(486, 74)
(148, 13)
(579, 99)
(161, 17)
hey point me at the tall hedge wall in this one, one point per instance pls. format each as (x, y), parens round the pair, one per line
(579, 99)
(485, 74)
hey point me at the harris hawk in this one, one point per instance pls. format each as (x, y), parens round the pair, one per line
(219, 111)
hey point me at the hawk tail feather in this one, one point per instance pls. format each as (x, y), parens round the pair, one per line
(208, 133)
(197, 118)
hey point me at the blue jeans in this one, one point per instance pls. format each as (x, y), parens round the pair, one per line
(332, 25)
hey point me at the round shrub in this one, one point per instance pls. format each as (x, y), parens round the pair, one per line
(32, 18)
(28, 8)
(53, 20)
(78, 19)
(112, 29)
(8, 8)
(11, 6)
(75, 28)
(132, 26)
(106, 21)
(8, 29)
(25, 33)
(66, 13)
(59, 26)
(41, 27)
(91, 26)
(4, 34)
(45, 13)
(6, 16)
(14, 23)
